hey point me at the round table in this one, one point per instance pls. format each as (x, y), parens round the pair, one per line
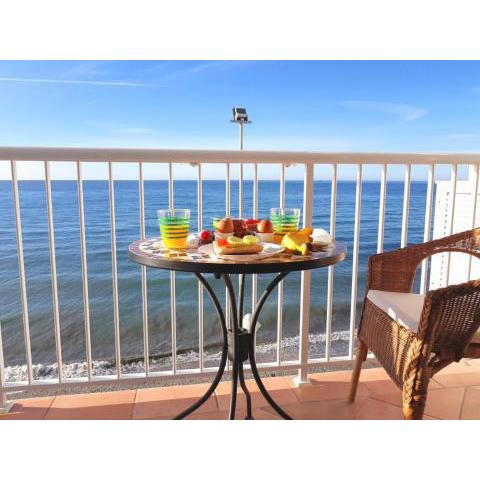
(238, 342)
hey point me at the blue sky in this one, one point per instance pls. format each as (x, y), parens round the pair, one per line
(313, 105)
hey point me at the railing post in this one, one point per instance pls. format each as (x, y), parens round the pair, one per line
(306, 281)
(280, 285)
(356, 241)
(4, 405)
(428, 221)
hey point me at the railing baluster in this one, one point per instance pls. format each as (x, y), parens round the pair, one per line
(474, 210)
(381, 210)
(280, 285)
(83, 255)
(200, 286)
(453, 190)
(356, 240)
(53, 271)
(227, 214)
(113, 240)
(406, 205)
(173, 297)
(227, 191)
(305, 279)
(255, 215)
(143, 269)
(428, 221)
(21, 271)
(333, 215)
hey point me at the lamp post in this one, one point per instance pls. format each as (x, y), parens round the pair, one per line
(240, 116)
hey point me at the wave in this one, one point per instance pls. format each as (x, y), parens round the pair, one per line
(265, 352)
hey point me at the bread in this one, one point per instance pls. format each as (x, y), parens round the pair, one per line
(242, 250)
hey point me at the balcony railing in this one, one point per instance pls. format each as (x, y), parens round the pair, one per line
(226, 159)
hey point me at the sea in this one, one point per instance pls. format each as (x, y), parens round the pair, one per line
(99, 262)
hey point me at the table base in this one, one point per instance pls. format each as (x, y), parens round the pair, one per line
(238, 346)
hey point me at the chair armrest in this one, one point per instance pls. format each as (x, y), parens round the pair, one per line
(450, 318)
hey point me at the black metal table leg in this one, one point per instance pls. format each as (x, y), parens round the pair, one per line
(234, 344)
(248, 397)
(253, 364)
(239, 346)
(223, 360)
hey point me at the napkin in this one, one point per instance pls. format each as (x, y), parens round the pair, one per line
(321, 237)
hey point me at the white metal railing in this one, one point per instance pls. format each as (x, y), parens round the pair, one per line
(197, 158)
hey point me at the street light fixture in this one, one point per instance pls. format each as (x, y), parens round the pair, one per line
(240, 115)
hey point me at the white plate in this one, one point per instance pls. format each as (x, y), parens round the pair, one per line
(269, 250)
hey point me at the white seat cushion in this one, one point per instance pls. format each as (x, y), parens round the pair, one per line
(405, 308)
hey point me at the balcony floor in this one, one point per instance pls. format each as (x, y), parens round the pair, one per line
(454, 394)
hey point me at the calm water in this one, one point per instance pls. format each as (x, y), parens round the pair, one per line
(65, 211)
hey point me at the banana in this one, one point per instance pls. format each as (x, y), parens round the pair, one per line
(298, 241)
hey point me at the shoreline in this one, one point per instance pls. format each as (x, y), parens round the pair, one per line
(185, 361)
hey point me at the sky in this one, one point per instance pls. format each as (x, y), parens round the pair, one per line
(385, 106)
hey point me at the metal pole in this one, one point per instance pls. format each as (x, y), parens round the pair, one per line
(240, 178)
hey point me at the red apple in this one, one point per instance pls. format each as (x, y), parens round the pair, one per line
(265, 226)
(225, 225)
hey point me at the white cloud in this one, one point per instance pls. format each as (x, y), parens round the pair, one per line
(206, 66)
(405, 111)
(86, 69)
(79, 82)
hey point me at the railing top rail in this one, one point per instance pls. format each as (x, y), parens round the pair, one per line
(73, 154)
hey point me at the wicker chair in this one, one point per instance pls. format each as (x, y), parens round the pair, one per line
(414, 336)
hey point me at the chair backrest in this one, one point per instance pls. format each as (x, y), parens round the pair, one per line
(395, 270)
(463, 242)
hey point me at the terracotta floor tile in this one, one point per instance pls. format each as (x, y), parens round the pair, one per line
(450, 396)
(376, 380)
(28, 409)
(93, 406)
(442, 403)
(258, 414)
(340, 409)
(166, 402)
(445, 403)
(389, 392)
(461, 378)
(373, 409)
(473, 363)
(381, 387)
(471, 404)
(464, 373)
(327, 387)
(373, 374)
(461, 366)
(322, 410)
(279, 388)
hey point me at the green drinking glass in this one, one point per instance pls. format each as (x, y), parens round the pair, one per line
(284, 220)
(174, 227)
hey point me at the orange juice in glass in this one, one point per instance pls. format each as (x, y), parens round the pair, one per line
(174, 227)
